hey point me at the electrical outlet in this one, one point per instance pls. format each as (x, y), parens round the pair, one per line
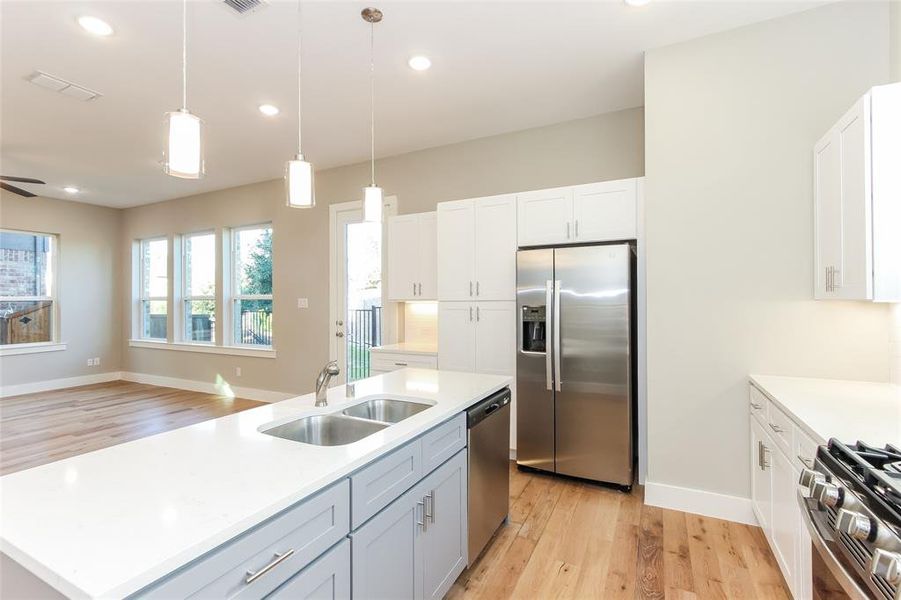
(237, 371)
(90, 362)
(96, 361)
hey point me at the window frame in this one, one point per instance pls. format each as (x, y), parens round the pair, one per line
(144, 296)
(184, 298)
(53, 297)
(234, 285)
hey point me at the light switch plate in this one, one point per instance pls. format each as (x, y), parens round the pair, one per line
(303, 303)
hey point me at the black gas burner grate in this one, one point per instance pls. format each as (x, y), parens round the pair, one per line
(878, 470)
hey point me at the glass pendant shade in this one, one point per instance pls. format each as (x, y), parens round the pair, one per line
(299, 183)
(372, 203)
(184, 151)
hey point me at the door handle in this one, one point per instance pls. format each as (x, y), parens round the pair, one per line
(470, 314)
(422, 523)
(430, 507)
(478, 317)
(492, 408)
(549, 348)
(414, 288)
(477, 288)
(470, 289)
(420, 289)
(577, 228)
(558, 376)
(567, 230)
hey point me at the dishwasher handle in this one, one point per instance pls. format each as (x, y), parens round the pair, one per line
(487, 407)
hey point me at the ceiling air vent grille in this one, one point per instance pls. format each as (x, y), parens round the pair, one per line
(243, 7)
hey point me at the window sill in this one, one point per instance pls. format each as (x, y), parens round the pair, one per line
(205, 348)
(13, 349)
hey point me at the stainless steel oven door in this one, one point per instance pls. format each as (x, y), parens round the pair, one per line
(833, 576)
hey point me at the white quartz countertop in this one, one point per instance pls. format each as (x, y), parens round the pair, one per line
(107, 523)
(846, 410)
(409, 348)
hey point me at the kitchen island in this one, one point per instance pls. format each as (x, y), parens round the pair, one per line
(112, 522)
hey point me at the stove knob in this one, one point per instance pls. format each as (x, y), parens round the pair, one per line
(809, 477)
(887, 565)
(854, 524)
(828, 494)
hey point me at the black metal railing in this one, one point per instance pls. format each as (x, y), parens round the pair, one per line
(256, 327)
(363, 331)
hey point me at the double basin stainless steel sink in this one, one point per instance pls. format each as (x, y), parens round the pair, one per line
(350, 425)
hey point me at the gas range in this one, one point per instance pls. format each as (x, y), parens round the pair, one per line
(851, 501)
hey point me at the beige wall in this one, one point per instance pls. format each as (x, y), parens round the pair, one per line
(608, 146)
(731, 120)
(90, 310)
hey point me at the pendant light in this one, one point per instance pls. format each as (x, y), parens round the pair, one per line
(372, 194)
(298, 172)
(184, 152)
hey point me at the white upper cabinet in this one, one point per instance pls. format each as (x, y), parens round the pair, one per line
(857, 192)
(412, 257)
(605, 211)
(545, 217)
(594, 212)
(477, 249)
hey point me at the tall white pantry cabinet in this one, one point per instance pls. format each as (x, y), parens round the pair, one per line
(857, 201)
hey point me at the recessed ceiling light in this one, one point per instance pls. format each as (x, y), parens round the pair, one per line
(419, 63)
(95, 26)
(71, 189)
(269, 110)
(636, 2)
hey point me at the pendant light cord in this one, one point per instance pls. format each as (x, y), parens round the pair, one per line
(184, 55)
(299, 60)
(372, 100)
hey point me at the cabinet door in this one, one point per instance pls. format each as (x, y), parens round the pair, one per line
(545, 217)
(854, 279)
(428, 257)
(761, 487)
(495, 345)
(456, 250)
(605, 211)
(495, 248)
(786, 516)
(326, 578)
(387, 552)
(456, 336)
(403, 257)
(444, 541)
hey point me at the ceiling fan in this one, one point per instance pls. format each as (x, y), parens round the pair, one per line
(18, 190)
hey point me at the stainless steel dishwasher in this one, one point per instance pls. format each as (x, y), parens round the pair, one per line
(488, 425)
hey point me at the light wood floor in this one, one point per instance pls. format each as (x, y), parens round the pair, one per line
(568, 539)
(40, 428)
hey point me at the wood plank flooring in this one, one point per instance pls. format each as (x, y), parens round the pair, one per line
(569, 539)
(40, 428)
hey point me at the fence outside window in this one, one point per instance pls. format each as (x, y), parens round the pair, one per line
(364, 331)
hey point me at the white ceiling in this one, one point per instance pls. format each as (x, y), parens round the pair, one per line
(497, 67)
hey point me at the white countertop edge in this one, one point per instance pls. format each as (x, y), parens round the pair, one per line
(164, 568)
(403, 348)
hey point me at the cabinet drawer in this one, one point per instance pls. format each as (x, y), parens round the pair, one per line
(392, 361)
(781, 428)
(805, 450)
(299, 535)
(758, 404)
(328, 577)
(376, 486)
(442, 442)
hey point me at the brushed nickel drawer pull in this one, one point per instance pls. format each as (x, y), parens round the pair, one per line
(776, 428)
(279, 558)
(756, 406)
(400, 364)
(806, 462)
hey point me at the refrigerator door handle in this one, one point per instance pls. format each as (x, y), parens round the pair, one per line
(558, 376)
(549, 348)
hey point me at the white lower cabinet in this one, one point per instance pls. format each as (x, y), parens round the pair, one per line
(779, 450)
(416, 547)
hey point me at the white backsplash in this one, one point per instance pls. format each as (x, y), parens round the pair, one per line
(895, 343)
(421, 322)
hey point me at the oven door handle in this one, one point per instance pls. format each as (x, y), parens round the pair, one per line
(819, 535)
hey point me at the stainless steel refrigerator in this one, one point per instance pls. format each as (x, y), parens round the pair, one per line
(575, 368)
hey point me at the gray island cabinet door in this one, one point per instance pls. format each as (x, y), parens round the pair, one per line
(445, 541)
(387, 552)
(327, 578)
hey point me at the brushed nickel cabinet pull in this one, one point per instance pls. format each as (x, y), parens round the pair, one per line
(279, 558)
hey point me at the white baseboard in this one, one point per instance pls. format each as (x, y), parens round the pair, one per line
(512, 453)
(700, 502)
(57, 384)
(207, 387)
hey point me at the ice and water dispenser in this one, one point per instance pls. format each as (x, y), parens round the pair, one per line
(534, 329)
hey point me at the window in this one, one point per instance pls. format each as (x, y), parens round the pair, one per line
(200, 287)
(27, 287)
(251, 285)
(154, 259)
